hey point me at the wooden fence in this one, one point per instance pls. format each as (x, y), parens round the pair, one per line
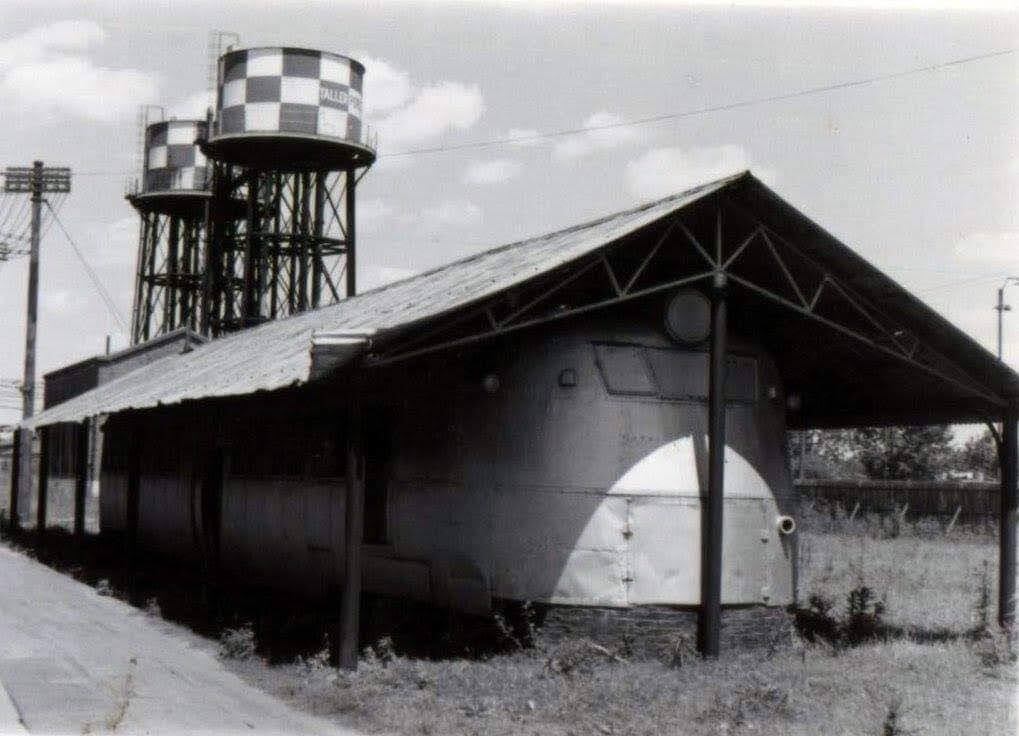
(974, 501)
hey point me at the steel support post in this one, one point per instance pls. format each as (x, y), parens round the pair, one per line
(208, 263)
(350, 605)
(295, 238)
(317, 233)
(711, 542)
(139, 288)
(173, 276)
(305, 245)
(351, 229)
(1007, 518)
(15, 479)
(250, 300)
(44, 482)
(80, 477)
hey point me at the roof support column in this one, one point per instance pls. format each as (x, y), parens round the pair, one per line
(350, 605)
(25, 481)
(132, 503)
(80, 477)
(1007, 518)
(43, 489)
(711, 534)
(16, 479)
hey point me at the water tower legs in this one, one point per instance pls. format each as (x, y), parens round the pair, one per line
(168, 286)
(289, 247)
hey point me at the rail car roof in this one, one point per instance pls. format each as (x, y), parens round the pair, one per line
(844, 381)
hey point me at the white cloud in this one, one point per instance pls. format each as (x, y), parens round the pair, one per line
(405, 114)
(998, 249)
(36, 44)
(597, 138)
(385, 87)
(453, 213)
(660, 172)
(491, 172)
(45, 72)
(435, 110)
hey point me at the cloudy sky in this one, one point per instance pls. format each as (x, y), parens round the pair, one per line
(920, 173)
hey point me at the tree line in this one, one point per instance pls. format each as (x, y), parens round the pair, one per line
(892, 453)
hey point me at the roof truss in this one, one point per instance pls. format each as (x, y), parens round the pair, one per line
(714, 240)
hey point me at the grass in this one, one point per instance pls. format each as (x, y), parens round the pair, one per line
(953, 682)
(940, 689)
(928, 584)
(927, 671)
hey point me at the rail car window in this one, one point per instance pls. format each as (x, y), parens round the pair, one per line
(678, 375)
(624, 370)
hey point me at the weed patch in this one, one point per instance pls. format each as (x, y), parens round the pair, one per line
(861, 623)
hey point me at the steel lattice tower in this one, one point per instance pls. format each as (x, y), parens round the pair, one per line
(171, 201)
(287, 144)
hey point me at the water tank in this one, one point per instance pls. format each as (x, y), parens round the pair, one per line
(289, 109)
(175, 174)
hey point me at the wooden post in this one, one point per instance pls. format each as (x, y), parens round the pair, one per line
(133, 489)
(15, 479)
(26, 438)
(1007, 518)
(711, 544)
(44, 481)
(80, 477)
(350, 605)
(955, 518)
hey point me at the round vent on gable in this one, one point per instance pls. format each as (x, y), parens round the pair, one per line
(688, 317)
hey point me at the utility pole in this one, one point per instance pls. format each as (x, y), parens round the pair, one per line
(34, 181)
(1001, 307)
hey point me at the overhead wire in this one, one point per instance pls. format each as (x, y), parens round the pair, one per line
(59, 198)
(97, 283)
(664, 117)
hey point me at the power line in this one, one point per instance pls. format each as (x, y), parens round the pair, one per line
(110, 304)
(749, 102)
(715, 108)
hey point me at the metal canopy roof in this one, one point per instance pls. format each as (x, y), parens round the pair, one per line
(278, 354)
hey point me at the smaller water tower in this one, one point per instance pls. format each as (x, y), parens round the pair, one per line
(289, 142)
(171, 199)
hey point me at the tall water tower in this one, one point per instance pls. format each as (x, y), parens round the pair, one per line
(288, 142)
(171, 199)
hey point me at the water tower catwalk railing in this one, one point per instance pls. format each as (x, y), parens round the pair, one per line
(171, 202)
(288, 147)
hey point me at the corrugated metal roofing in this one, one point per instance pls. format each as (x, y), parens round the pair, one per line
(277, 354)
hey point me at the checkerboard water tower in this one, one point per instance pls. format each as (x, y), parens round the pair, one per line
(171, 200)
(287, 145)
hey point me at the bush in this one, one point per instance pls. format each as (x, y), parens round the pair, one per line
(861, 623)
(237, 643)
(863, 619)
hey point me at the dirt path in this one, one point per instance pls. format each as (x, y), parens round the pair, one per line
(72, 661)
